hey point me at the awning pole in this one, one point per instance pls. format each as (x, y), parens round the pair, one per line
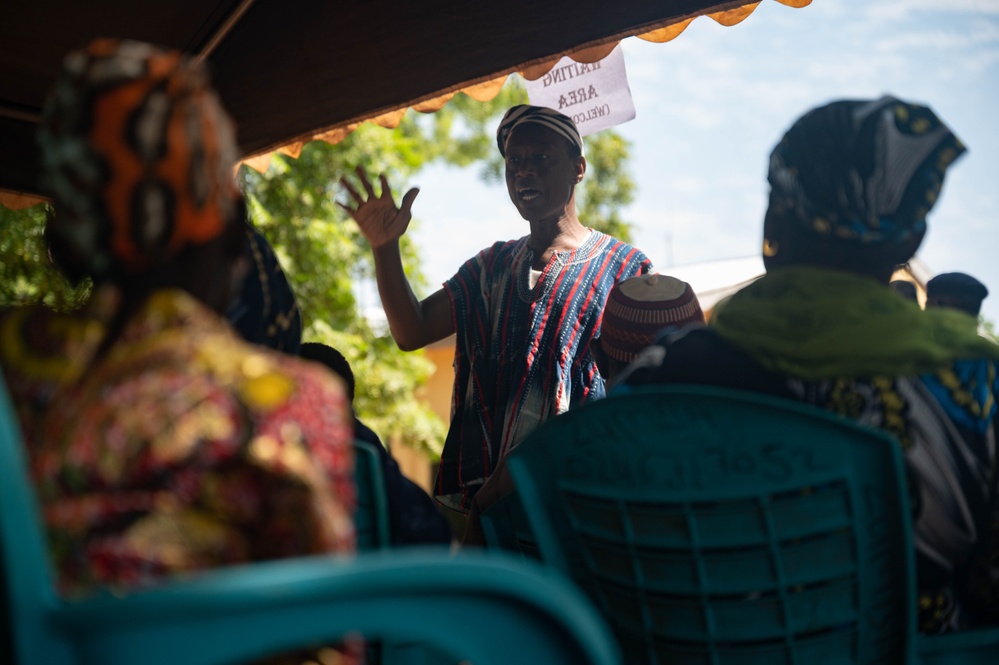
(224, 30)
(19, 113)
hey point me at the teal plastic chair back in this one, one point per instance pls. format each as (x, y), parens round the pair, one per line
(725, 528)
(371, 514)
(979, 646)
(28, 583)
(492, 610)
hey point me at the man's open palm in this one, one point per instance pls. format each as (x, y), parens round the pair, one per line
(380, 221)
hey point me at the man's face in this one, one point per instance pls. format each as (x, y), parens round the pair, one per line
(540, 173)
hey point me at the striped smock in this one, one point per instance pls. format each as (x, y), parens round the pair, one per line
(522, 352)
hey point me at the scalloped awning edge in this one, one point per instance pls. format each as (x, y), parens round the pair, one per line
(487, 88)
(13, 200)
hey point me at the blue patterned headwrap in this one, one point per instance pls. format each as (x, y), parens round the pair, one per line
(863, 171)
(265, 311)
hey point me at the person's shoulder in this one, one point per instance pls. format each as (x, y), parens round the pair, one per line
(14, 318)
(364, 433)
(268, 381)
(497, 250)
(505, 247)
(305, 371)
(966, 390)
(604, 243)
(487, 261)
(35, 340)
(699, 355)
(979, 370)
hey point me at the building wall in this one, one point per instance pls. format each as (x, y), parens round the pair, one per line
(435, 393)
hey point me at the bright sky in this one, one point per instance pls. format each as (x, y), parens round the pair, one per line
(712, 103)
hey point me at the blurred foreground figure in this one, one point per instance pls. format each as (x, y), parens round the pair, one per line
(851, 184)
(170, 445)
(904, 288)
(956, 290)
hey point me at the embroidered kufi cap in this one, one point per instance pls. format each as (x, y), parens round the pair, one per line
(640, 309)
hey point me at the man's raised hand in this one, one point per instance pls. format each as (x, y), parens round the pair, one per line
(380, 221)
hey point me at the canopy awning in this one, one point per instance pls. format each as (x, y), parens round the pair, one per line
(291, 71)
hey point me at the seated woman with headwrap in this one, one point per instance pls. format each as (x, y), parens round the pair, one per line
(168, 445)
(851, 184)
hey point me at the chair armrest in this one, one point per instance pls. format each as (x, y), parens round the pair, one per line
(979, 646)
(484, 607)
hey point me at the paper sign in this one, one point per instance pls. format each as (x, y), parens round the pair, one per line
(595, 95)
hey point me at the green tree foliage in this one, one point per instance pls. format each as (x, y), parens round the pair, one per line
(607, 187)
(27, 276)
(330, 267)
(328, 262)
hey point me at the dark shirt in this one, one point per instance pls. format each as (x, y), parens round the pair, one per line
(413, 515)
(702, 357)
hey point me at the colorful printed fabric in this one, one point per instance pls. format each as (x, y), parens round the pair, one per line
(943, 412)
(522, 353)
(184, 448)
(951, 477)
(43, 351)
(137, 154)
(864, 171)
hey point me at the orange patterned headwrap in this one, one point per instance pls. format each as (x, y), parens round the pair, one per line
(138, 156)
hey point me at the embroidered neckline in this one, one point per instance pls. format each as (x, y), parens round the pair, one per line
(551, 271)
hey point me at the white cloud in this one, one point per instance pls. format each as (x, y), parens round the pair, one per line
(690, 185)
(943, 38)
(908, 10)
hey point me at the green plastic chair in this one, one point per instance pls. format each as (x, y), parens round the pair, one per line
(488, 609)
(371, 514)
(720, 527)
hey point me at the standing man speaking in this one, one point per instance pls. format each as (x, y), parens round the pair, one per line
(524, 310)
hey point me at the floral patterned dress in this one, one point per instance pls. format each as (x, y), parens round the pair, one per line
(184, 448)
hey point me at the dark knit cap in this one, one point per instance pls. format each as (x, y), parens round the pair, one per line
(640, 309)
(957, 286)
